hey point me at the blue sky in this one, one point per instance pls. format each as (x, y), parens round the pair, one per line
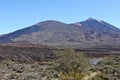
(18, 14)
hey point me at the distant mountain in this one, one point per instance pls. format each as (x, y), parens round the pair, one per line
(88, 33)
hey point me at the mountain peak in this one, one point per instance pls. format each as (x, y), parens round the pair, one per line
(50, 22)
(90, 32)
(91, 18)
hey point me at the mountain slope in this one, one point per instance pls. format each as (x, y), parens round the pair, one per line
(88, 33)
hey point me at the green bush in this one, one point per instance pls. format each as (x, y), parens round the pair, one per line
(71, 64)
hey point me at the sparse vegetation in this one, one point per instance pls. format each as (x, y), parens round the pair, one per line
(110, 67)
(67, 64)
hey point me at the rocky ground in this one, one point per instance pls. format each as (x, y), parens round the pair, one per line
(22, 71)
